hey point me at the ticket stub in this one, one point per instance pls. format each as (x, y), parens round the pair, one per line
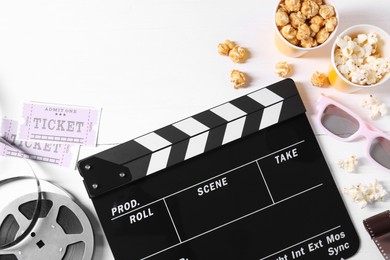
(60, 123)
(55, 153)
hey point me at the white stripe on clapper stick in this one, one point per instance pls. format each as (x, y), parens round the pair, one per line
(265, 97)
(234, 128)
(228, 111)
(152, 141)
(190, 126)
(271, 115)
(196, 145)
(159, 160)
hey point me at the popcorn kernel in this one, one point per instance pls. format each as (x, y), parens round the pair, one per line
(322, 36)
(237, 78)
(309, 8)
(319, 80)
(225, 48)
(288, 32)
(293, 5)
(283, 69)
(238, 54)
(281, 18)
(330, 24)
(303, 32)
(309, 43)
(297, 19)
(326, 11)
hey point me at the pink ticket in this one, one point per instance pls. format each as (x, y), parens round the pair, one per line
(60, 123)
(55, 153)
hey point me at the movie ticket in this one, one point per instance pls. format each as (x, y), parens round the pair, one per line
(60, 123)
(55, 153)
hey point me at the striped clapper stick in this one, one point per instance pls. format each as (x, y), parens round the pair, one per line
(192, 136)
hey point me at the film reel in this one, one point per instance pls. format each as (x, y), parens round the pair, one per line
(62, 231)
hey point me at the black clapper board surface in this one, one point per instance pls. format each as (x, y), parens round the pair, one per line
(243, 180)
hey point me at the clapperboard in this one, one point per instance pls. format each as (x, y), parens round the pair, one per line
(243, 180)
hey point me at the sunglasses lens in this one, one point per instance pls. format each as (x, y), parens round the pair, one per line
(380, 151)
(339, 122)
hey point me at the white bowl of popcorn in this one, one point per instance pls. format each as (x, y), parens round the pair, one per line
(360, 58)
(304, 25)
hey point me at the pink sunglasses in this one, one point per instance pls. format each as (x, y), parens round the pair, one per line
(344, 125)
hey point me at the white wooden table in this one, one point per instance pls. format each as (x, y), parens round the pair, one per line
(150, 63)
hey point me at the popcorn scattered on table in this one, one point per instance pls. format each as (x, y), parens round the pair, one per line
(358, 59)
(283, 69)
(366, 194)
(375, 107)
(226, 47)
(305, 23)
(319, 80)
(238, 54)
(348, 164)
(238, 78)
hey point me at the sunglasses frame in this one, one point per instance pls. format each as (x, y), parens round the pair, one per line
(364, 129)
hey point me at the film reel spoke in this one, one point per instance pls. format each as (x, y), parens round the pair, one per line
(73, 239)
(9, 251)
(62, 232)
(22, 221)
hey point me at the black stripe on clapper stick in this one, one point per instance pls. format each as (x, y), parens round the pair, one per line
(217, 125)
(252, 123)
(247, 104)
(179, 139)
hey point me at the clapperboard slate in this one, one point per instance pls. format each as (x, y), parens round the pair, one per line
(243, 180)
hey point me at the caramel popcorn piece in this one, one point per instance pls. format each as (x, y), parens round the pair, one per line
(309, 8)
(303, 32)
(294, 41)
(330, 24)
(226, 47)
(292, 5)
(288, 32)
(297, 19)
(281, 18)
(309, 43)
(317, 20)
(322, 36)
(319, 80)
(326, 11)
(237, 78)
(315, 28)
(283, 69)
(238, 54)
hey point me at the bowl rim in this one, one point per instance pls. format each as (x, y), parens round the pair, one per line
(343, 33)
(331, 35)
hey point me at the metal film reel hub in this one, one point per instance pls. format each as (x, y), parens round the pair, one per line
(62, 231)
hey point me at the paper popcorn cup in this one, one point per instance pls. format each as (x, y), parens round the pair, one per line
(291, 50)
(336, 78)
